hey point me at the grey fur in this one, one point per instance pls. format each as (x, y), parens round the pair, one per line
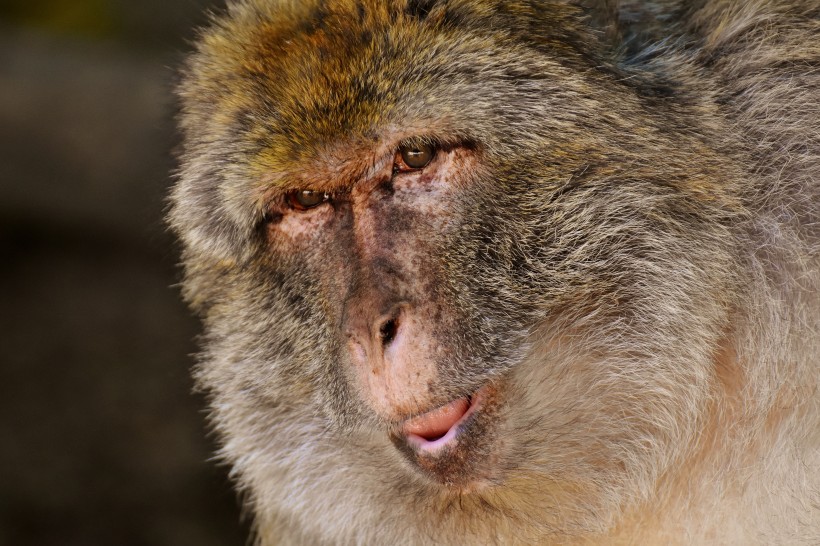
(637, 259)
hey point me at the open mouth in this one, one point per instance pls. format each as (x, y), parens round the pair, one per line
(454, 444)
(439, 428)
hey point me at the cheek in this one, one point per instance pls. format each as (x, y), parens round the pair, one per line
(434, 195)
(314, 249)
(298, 228)
(320, 239)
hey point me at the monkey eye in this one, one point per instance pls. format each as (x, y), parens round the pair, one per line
(306, 199)
(413, 156)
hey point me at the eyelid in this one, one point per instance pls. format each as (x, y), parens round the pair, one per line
(418, 141)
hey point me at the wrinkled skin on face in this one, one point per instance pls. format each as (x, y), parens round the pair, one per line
(459, 276)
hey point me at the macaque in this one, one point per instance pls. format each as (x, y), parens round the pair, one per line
(509, 272)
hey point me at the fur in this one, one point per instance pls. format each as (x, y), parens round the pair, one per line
(635, 257)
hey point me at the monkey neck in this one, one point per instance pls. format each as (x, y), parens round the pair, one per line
(733, 468)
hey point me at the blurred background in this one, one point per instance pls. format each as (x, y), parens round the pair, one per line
(101, 440)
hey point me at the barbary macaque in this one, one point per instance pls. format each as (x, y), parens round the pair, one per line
(509, 272)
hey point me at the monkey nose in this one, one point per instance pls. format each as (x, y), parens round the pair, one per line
(373, 337)
(392, 357)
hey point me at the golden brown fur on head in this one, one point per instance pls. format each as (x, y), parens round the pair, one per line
(607, 268)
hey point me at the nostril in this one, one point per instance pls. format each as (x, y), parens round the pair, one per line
(389, 326)
(388, 331)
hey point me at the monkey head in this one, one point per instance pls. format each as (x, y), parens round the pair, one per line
(448, 242)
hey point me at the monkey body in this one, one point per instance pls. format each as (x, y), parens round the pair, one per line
(509, 272)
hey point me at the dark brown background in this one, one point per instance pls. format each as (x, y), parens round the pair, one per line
(101, 440)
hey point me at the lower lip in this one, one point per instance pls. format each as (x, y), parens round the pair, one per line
(424, 445)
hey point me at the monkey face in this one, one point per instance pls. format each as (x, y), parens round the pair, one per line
(426, 237)
(404, 355)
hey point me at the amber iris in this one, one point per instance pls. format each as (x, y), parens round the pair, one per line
(306, 199)
(417, 156)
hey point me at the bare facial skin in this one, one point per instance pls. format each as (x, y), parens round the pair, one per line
(509, 272)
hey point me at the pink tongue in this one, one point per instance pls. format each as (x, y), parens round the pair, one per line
(436, 423)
